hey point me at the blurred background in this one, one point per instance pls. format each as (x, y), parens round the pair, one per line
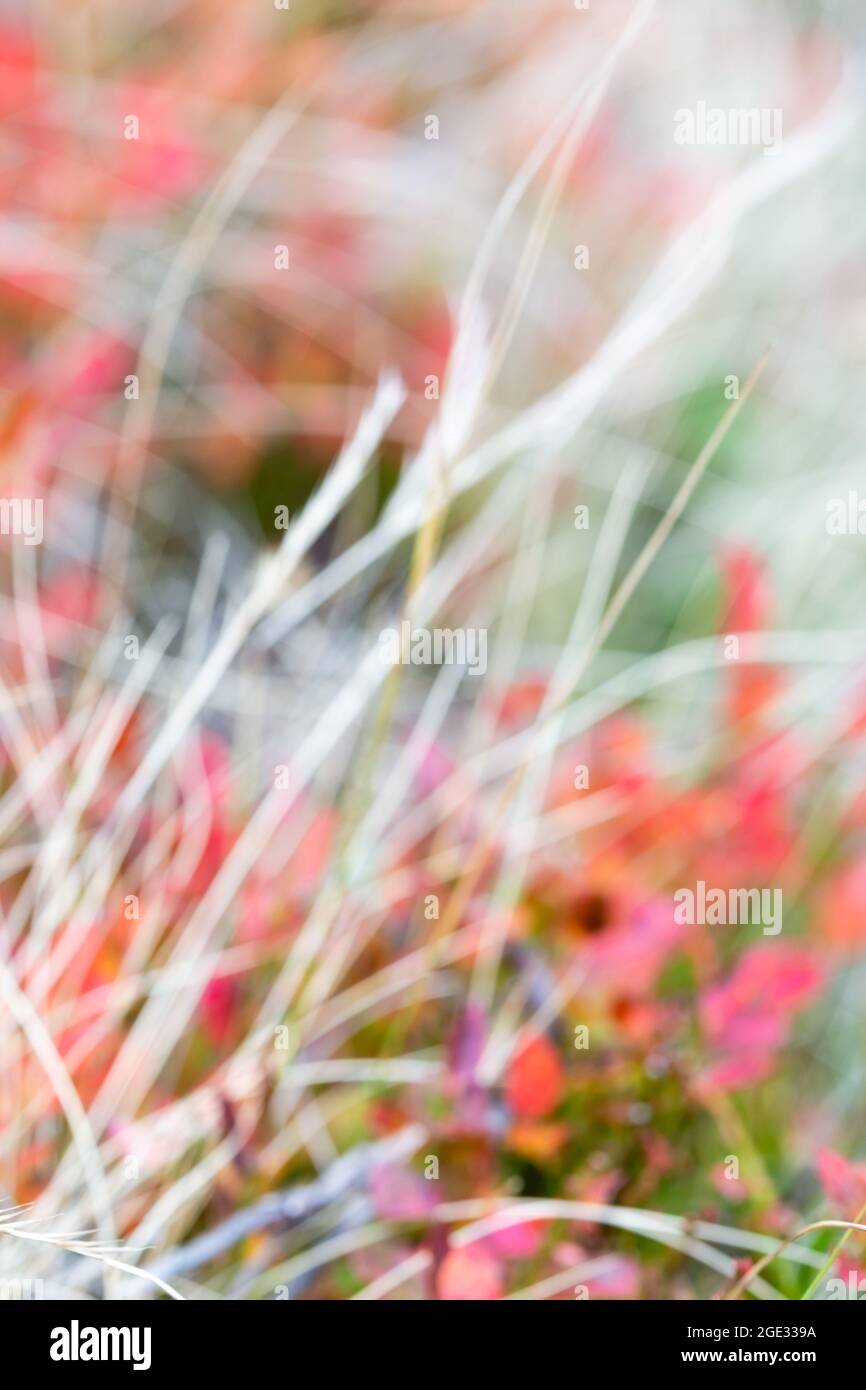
(325, 979)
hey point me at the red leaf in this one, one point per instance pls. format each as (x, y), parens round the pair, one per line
(534, 1081)
(841, 907)
(746, 601)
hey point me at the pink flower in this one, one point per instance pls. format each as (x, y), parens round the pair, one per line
(469, 1274)
(466, 1045)
(844, 1182)
(399, 1195)
(518, 1242)
(620, 1280)
(747, 1017)
(217, 1008)
(768, 984)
